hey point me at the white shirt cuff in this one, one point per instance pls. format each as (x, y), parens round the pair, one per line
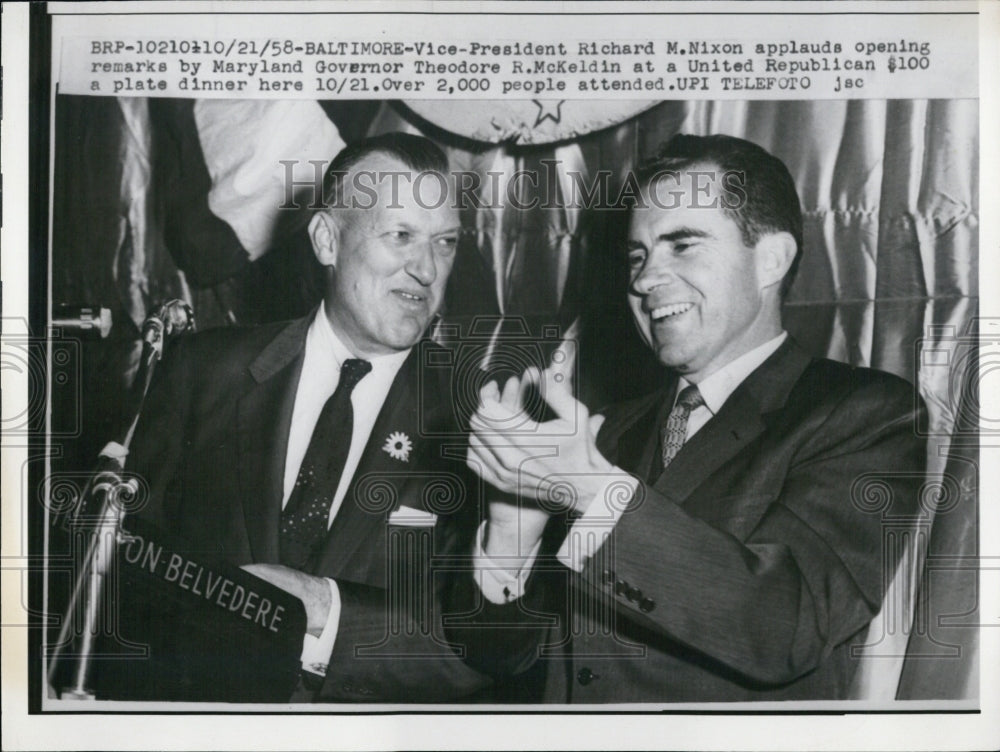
(592, 528)
(316, 650)
(497, 584)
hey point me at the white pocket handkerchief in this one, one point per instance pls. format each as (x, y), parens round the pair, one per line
(410, 517)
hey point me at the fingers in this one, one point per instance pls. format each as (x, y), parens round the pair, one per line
(314, 592)
(555, 389)
(556, 392)
(267, 572)
(489, 393)
(481, 456)
(503, 411)
(509, 468)
(563, 358)
(496, 420)
(497, 453)
(278, 575)
(482, 462)
(596, 421)
(510, 399)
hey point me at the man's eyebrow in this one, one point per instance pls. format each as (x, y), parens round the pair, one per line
(682, 233)
(404, 226)
(398, 224)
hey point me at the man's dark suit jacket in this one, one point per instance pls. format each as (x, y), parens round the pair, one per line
(212, 444)
(747, 569)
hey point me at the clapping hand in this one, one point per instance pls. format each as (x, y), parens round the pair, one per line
(555, 463)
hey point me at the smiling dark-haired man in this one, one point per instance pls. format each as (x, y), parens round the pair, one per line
(709, 541)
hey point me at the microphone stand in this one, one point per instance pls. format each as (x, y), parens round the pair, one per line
(108, 487)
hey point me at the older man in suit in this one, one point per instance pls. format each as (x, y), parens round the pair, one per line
(711, 541)
(303, 451)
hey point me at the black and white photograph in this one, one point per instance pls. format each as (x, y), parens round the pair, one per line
(480, 374)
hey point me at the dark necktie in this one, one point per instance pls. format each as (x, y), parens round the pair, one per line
(304, 519)
(675, 428)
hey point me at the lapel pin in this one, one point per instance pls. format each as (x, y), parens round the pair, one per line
(398, 446)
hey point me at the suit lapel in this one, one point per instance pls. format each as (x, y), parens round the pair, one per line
(736, 424)
(740, 420)
(641, 439)
(360, 523)
(263, 417)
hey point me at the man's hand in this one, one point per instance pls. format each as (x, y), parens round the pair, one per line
(556, 463)
(513, 530)
(314, 592)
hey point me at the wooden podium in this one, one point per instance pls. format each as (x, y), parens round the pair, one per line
(183, 629)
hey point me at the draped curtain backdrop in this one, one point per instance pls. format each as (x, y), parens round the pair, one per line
(888, 280)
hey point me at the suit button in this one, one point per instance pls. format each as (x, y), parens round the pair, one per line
(621, 587)
(609, 577)
(634, 594)
(646, 605)
(585, 676)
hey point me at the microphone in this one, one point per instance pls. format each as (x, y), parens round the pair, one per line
(171, 318)
(83, 319)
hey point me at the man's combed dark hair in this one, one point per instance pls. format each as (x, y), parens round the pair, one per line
(417, 153)
(771, 203)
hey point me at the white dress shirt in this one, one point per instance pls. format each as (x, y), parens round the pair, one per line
(323, 357)
(592, 528)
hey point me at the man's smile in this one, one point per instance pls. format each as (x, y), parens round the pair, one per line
(670, 310)
(410, 298)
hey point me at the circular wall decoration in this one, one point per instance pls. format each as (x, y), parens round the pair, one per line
(529, 121)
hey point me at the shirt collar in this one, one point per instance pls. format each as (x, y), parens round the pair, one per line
(326, 339)
(716, 388)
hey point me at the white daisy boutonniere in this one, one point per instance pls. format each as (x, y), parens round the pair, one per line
(398, 446)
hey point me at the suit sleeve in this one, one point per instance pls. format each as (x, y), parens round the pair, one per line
(503, 640)
(391, 644)
(810, 572)
(387, 654)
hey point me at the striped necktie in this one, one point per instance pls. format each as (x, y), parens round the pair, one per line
(675, 428)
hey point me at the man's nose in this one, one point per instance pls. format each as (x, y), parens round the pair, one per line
(422, 265)
(655, 272)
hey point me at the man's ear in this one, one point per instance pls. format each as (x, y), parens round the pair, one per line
(775, 253)
(324, 232)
